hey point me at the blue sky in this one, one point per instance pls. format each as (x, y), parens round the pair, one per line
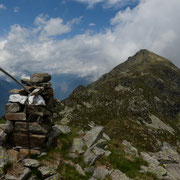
(84, 37)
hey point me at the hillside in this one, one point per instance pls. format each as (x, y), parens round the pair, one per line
(139, 100)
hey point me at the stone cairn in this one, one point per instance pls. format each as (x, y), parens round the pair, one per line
(29, 115)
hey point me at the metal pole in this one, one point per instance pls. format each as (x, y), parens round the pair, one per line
(5, 72)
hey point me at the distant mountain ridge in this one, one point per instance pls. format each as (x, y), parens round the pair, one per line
(138, 99)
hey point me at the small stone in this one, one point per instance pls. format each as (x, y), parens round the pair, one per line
(79, 169)
(3, 138)
(106, 137)
(101, 172)
(8, 127)
(46, 171)
(107, 153)
(92, 136)
(31, 163)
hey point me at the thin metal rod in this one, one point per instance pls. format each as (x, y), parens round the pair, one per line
(5, 72)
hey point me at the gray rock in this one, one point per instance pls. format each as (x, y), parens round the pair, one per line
(78, 145)
(8, 127)
(79, 169)
(118, 175)
(64, 129)
(31, 163)
(167, 154)
(106, 137)
(130, 149)
(107, 153)
(3, 138)
(13, 107)
(89, 157)
(92, 136)
(54, 177)
(174, 170)
(46, 171)
(98, 151)
(101, 173)
(152, 161)
(52, 136)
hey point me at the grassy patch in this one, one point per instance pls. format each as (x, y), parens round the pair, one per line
(2, 120)
(70, 173)
(7, 166)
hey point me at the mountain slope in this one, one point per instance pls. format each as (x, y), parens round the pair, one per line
(139, 100)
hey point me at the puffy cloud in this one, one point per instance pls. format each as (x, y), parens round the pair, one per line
(2, 6)
(108, 3)
(153, 24)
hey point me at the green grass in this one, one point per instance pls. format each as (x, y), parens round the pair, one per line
(69, 173)
(2, 120)
(7, 166)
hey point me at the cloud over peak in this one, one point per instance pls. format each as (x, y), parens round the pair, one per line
(153, 25)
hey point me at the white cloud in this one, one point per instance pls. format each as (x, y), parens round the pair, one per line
(3, 7)
(92, 24)
(53, 26)
(16, 9)
(108, 3)
(153, 24)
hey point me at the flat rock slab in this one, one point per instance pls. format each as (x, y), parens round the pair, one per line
(16, 116)
(21, 139)
(40, 78)
(34, 127)
(46, 171)
(92, 136)
(32, 163)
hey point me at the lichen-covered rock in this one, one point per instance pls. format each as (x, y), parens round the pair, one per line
(78, 145)
(31, 163)
(54, 177)
(130, 149)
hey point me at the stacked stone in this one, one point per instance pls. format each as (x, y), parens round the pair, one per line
(29, 114)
